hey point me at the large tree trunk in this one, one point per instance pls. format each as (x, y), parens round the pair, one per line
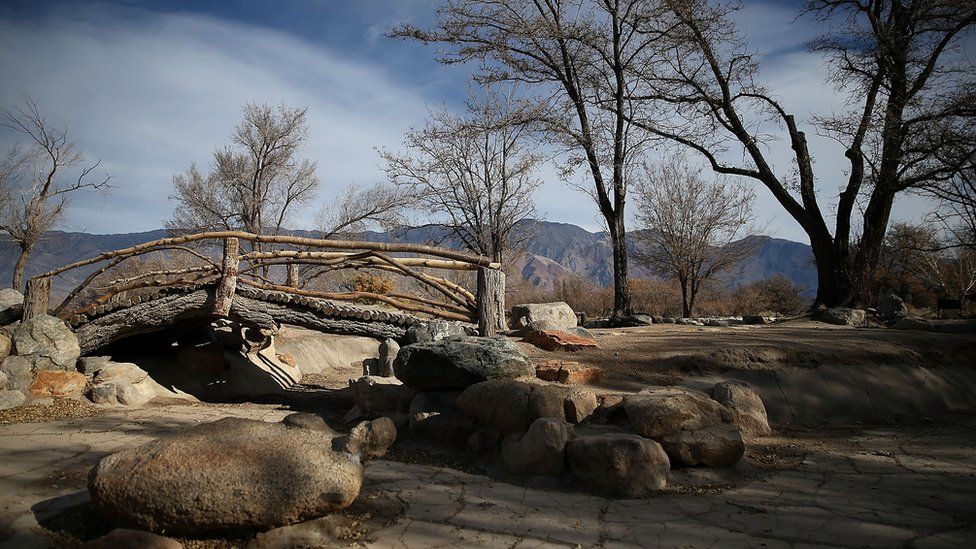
(18, 279)
(621, 290)
(834, 286)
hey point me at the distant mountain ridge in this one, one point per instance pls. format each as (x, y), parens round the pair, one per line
(554, 251)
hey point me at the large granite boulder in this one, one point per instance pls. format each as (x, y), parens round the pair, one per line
(455, 364)
(126, 538)
(434, 330)
(58, 383)
(17, 369)
(540, 451)
(228, 475)
(892, 308)
(843, 316)
(10, 398)
(563, 402)
(123, 383)
(715, 446)
(745, 405)
(558, 315)
(500, 405)
(618, 464)
(11, 305)
(657, 412)
(46, 342)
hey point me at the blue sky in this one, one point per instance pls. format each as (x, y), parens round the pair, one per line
(149, 87)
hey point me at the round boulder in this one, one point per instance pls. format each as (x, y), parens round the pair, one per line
(435, 330)
(843, 316)
(892, 308)
(657, 412)
(47, 343)
(558, 315)
(745, 405)
(618, 464)
(10, 398)
(11, 305)
(540, 451)
(455, 364)
(716, 446)
(229, 475)
(500, 405)
(58, 383)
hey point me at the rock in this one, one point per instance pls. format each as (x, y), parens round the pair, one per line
(134, 394)
(540, 451)
(381, 396)
(667, 320)
(122, 383)
(369, 439)
(124, 538)
(657, 412)
(754, 319)
(105, 393)
(634, 321)
(500, 405)
(90, 365)
(434, 415)
(568, 372)
(228, 475)
(552, 340)
(388, 354)
(10, 398)
(618, 464)
(11, 305)
(892, 308)
(5, 345)
(715, 446)
(47, 343)
(747, 408)
(560, 315)
(914, 323)
(120, 372)
(3, 380)
(843, 316)
(572, 404)
(435, 330)
(18, 372)
(58, 383)
(687, 322)
(598, 323)
(288, 359)
(320, 532)
(455, 364)
(717, 322)
(300, 420)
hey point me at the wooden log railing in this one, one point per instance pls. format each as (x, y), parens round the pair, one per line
(444, 298)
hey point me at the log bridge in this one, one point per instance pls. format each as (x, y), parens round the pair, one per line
(270, 280)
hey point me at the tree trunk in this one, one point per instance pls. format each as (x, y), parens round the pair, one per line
(18, 280)
(491, 301)
(685, 308)
(621, 290)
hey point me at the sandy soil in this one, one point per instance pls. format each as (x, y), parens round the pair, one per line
(663, 354)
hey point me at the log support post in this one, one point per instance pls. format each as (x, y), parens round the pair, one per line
(227, 285)
(292, 280)
(38, 298)
(491, 301)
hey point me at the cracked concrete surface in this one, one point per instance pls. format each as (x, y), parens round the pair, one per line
(896, 486)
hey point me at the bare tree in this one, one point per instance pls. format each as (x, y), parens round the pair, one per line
(945, 266)
(693, 227)
(35, 184)
(359, 207)
(579, 56)
(910, 101)
(957, 209)
(256, 184)
(477, 169)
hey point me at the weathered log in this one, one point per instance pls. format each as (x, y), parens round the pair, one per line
(228, 278)
(38, 298)
(491, 301)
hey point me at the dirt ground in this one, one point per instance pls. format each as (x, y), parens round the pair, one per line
(664, 354)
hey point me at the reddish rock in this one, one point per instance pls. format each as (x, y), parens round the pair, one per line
(568, 372)
(58, 383)
(551, 340)
(289, 360)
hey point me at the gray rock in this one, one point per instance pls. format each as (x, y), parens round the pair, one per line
(717, 322)
(368, 440)
(11, 305)
(657, 412)
(747, 408)
(687, 322)
(125, 538)
(667, 320)
(105, 393)
(843, 316)
(388, 353)
(435, 330)
(715, 446)
(10, 398)
(754, 319)
(47, 343)
(3, 380)
(499, 405)
(301, 420)
(559, 314)
(229, 475)
(134, 394)
(18, 372)
(892, 308)
(381, 396)
(120, 372)
(618, 464)
(635, 320)
(455, 364)
(914, 323)
(435, 415)
(320, 532)
(538, 452)
(5, 346)
(564, 402)
(90, 365)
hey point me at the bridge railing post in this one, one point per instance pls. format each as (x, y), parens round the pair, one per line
(37, 301)
(292, 279)
(227, 286)
(491, 301)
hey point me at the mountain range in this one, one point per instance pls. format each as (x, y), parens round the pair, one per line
(553, 251)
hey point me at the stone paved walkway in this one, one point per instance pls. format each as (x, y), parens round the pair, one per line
(884, 487)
